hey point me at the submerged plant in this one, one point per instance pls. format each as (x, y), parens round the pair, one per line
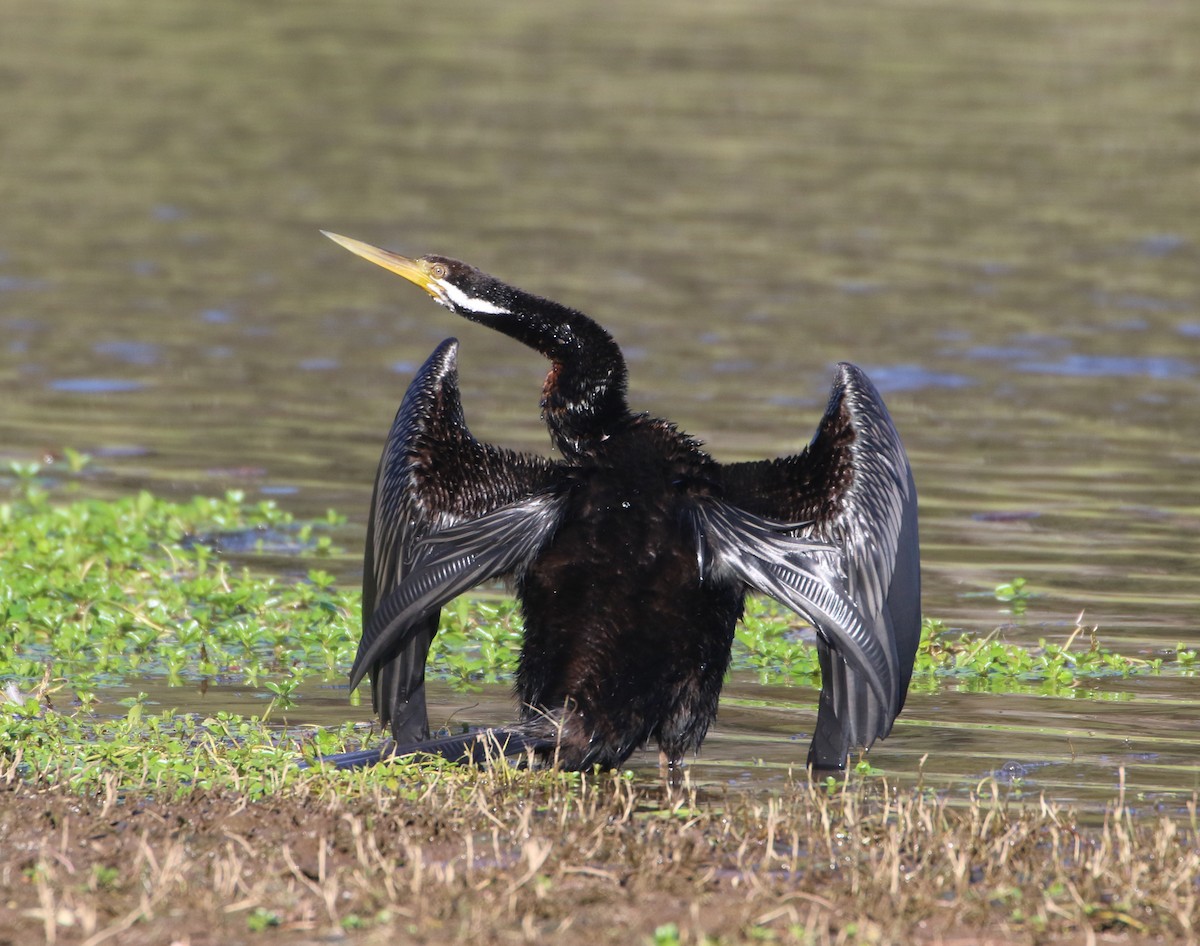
(1015, 594)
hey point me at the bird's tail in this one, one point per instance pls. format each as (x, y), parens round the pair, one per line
(476, 747)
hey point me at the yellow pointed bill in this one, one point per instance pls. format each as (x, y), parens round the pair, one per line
(412, 270)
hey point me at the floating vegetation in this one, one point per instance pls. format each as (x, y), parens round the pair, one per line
(771, 642)
(93, 593)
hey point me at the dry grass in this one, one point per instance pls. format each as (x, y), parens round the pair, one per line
(512, 856)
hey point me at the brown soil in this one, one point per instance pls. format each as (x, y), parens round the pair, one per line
(520, 863)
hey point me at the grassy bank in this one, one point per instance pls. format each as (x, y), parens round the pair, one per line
(435, 855)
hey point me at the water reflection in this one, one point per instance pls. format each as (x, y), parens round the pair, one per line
(130, 352)
(894, 378)
(1077, 752)
(1114, 366)
(95, 385)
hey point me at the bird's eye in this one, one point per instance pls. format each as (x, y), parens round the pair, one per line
(439, 271)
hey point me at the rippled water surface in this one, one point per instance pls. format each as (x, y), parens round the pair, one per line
(992, 207)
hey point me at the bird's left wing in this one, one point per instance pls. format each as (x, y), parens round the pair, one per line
(450, 561)
(853, 488)
(798, 572)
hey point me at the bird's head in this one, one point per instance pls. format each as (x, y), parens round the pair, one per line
(584, 395)
(458, 286)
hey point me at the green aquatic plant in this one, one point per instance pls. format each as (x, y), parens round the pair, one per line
(96, 595)
(1015, 594)
(773, 643)
(991, 663)
(771, 640)
(103, 590)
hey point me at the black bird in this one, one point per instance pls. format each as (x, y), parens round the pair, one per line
(632, 555)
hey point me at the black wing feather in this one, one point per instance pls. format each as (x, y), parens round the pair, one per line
(433, 474)
(797, 572)
(450, 562)
(853, 483)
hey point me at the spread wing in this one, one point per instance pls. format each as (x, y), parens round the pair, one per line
(853, 488)
(449, 561)
(433, 476)
(800, 573)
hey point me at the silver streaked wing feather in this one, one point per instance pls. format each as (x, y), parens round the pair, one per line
(854, 483)
(451, 561)
(432, 475)
(798, 572)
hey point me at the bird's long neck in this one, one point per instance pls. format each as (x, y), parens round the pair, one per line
(583, 399)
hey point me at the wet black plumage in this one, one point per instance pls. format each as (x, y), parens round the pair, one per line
(632, 554)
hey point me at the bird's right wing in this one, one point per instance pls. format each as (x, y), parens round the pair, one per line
(451, 561)
(432, 475)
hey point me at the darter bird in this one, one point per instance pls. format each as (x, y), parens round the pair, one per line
(632, 555)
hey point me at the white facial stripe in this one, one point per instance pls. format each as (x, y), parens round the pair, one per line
(463, 301)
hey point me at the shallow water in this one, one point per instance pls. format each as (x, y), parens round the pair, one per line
(991, 207)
